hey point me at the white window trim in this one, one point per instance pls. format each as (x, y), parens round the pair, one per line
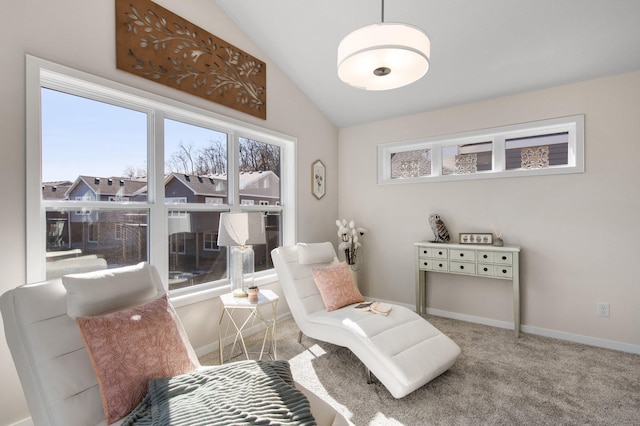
(40, 73)
(574, 125)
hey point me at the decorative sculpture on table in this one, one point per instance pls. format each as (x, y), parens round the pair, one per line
(439, 229)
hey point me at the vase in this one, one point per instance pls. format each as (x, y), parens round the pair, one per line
(354, 275)
(252, 292)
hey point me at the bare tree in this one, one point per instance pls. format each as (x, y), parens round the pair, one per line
(133, 172)
(182, 161)
(259, 156)
(212, 159)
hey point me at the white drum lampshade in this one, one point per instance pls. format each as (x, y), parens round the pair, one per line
(384, 56)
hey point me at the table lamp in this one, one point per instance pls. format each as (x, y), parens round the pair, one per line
(240, 231)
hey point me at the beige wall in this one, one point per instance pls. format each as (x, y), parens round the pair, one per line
(81, 34)
(579, 233)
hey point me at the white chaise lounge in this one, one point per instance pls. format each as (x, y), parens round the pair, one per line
(402, 349)
(57, 377)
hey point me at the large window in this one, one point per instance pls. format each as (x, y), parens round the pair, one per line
(544, 147)
(120, 176)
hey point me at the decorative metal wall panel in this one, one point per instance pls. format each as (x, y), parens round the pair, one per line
(410, 164)
(536, 157)
(466, 163)
(156, 44)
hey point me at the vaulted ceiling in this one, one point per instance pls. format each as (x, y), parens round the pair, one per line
(480, 49)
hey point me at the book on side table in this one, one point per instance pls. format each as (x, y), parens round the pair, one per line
(375, 307)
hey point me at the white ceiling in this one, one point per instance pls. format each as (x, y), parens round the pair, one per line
(480, 49)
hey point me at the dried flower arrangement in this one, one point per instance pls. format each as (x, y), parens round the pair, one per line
(350, 237)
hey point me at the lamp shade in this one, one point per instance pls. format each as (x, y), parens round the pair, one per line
(383, 56)
(241, 229)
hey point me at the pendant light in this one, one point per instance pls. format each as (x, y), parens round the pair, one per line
(384, 56)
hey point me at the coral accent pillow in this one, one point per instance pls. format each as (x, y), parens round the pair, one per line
(336, 286)
(129, 347)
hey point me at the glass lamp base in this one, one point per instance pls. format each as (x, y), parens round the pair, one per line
(242, 268)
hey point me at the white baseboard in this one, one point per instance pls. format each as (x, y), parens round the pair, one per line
(555, 334)
(24, 422)
(587, 340)
(577, 338)
(471, 318)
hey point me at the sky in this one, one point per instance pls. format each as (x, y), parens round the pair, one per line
(86, 137)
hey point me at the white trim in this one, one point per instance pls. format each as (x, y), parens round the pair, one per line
(573, 125)
(554, 334)
(586, 340)
(24, 422)
(42, 73)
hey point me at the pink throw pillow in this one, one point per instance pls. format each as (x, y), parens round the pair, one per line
(129, 347)
(336, 286)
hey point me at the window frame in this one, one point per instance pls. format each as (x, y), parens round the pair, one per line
(41, 73)
(573, 125)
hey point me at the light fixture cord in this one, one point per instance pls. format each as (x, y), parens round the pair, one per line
(382, 11)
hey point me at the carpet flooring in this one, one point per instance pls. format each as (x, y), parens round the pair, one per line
(497, 380)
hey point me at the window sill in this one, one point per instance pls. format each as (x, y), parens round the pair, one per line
(196, 296)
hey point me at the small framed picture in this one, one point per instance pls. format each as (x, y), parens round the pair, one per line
(476, 238)
(318, 179)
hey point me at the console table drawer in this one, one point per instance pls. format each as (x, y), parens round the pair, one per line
(463, 255)
(433, 252)
(503, 258)
(484, 269)
(485, 256)
(462, 267)
(440, 265)
(426, 264)
(504, 271)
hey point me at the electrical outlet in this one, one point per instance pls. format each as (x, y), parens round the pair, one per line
(603, 309)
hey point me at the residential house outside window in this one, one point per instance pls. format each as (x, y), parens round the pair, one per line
(102, 186)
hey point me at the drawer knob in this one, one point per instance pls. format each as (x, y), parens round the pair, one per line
(485, 256)
(426, 263)
(461, 254)
(424, 252)
(504, 271)
(439, 265)
(485, 269)
(440, 253)
(504, 257)
(461, 267)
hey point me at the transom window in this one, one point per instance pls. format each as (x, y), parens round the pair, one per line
(539, 148)
(123, 176)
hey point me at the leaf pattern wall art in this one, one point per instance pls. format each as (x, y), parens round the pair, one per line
(154, 43)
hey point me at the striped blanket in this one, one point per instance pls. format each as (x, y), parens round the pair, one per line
(240, 393)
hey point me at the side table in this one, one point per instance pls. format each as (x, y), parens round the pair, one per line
(231, 304)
